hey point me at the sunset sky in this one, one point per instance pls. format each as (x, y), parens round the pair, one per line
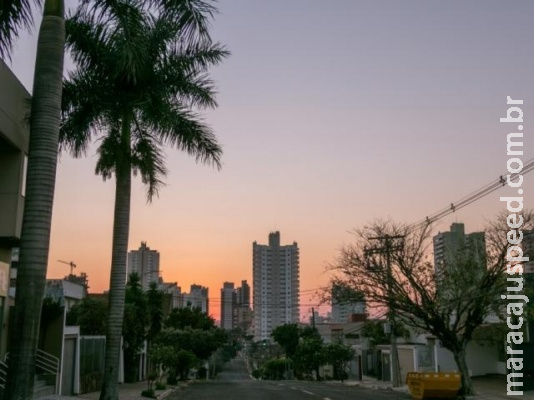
(330, 114)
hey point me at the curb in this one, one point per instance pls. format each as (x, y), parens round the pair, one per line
(170, 391)
(166, 393)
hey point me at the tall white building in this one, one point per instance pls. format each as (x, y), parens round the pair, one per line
(145, 263)
(275, 285)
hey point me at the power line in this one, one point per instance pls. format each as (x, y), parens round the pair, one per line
(474, 196)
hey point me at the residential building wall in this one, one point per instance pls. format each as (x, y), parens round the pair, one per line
(144, 262)
(276, 285)
(198, 297)
(481, 357)
(173, 292)
(14, 143)
(447, 245)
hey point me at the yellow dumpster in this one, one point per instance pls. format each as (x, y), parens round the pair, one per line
(433, 385)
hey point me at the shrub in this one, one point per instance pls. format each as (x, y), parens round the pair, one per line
(202, 373)
(148, 393)
(160, 386)
(171, 380)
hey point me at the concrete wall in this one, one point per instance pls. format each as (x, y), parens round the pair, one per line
(482, 359)
(14, 141)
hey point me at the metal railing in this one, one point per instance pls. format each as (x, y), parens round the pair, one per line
(3, 374)
(44, 363)
(48, 364)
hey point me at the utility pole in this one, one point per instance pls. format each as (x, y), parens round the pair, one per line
(386, 248)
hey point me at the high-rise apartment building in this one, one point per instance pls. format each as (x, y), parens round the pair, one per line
(451, 244)
(144, 262)
(243, 294)
(197, 298)
(244, 312)
(228, 306)
(276, 285)
(346, 302)
(235, 306)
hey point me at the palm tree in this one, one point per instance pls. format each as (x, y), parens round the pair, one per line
(141, 78)
(40, 182)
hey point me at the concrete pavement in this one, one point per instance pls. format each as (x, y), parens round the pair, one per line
(486, 388)
(127, 391)
(234, 382)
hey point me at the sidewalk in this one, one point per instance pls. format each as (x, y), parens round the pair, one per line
(127, 391)
(486, 388)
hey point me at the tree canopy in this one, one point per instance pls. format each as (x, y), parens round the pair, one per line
(451, 302)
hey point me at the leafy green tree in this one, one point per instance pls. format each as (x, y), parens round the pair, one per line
(185, 360)
(40, 183)
(90, 315)
(201, 343)
(310, 355)
(162, 356)
(274, 369)
(194, 318)
(136, 324)
(155, 309)
(339, 355)
(287, 336)
(142, 71)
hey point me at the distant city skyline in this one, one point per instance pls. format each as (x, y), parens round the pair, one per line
(342, 114)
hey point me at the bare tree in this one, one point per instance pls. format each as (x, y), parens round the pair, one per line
(450, 301)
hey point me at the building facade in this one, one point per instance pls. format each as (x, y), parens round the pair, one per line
(14, 144)
(276, 285)
(198, 297)
(228, 306)
(346, 302)
(450, 245)
(144, 262)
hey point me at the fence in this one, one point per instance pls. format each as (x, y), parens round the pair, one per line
(92, 354)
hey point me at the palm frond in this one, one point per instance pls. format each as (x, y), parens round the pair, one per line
(14, 15)
(125, 26)
(149, 161)
(183, 129)
(185, 74)
(87, 40)
(192, 17)
(198, 56)
(109, 153)
(84, 111)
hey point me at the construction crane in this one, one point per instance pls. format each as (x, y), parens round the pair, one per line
(72, 265)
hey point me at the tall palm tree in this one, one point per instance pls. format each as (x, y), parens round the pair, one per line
(141, 79)
(40, 184)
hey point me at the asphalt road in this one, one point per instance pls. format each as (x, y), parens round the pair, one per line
(235, 383)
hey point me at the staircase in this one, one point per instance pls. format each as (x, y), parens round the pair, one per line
(43, 388)
(46, 375)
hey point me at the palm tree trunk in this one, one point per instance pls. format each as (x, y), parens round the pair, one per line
(40, 184)
(117, 287)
